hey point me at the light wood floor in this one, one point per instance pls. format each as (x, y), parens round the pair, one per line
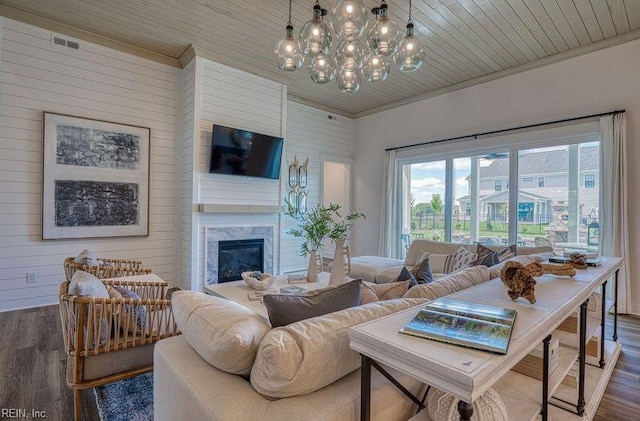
(32, 363)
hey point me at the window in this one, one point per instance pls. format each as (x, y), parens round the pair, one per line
(464, 199)
(589, 181)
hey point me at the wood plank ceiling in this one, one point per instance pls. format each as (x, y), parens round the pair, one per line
(464, 39)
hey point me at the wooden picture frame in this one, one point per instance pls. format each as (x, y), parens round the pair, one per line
(95, 178)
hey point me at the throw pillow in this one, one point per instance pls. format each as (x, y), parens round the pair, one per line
(406, 275)
(284, 309)
(486, 256)
(383, 292)
(506, 253)
(133, 317)
(463, 258)
(440, 263)
(422, 272)
(86, 285)
(86, 258)
(224, 333)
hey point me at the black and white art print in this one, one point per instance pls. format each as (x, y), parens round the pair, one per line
(96, 178)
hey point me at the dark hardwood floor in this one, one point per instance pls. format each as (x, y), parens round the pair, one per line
(33, 361)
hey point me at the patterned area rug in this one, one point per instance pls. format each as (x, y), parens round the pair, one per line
(126, 400)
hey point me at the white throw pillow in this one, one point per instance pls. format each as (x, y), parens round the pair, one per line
(86, 285)
(224, 333)
(440, 263)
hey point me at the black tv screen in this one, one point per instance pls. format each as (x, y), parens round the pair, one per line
(241, 152)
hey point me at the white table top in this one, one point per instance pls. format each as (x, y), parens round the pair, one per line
(464, 372)
(238, 291)
(577, 246)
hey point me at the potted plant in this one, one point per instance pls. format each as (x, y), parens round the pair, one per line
(314, 226)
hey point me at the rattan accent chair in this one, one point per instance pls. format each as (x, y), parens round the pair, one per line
(100, 346)
(109, 268)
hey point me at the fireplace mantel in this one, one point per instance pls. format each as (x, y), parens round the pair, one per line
(226, 208)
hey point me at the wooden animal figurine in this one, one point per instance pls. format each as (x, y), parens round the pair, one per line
(520, 279)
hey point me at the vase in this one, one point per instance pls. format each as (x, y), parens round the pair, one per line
(315, 266)
(341, 264)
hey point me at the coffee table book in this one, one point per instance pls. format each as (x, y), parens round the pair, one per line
(466, 324)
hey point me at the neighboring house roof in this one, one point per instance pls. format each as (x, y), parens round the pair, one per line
(546, 162)
(503, 196)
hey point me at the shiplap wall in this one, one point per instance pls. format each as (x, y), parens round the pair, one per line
(310, 133)
(93, 82)
(187, 187)
(232, 98)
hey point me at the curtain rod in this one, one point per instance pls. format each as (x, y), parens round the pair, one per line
(476, 135)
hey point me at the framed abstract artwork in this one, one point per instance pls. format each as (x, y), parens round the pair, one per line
(96, 178)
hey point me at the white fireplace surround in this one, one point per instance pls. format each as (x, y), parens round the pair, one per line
(215, 234)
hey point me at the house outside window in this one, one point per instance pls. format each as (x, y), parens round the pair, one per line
(540, 181)
(498, 185)
(589, 181)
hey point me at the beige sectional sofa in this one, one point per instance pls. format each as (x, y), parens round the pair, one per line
(382, 269)
(230, 365)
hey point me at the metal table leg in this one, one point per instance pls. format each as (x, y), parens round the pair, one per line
(466, 410)
(365, 389)
(583, 336)
(545, 378)
(615, 303)
(603, 316)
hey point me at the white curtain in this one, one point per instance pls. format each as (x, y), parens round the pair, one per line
(614, 227)
(389, 233)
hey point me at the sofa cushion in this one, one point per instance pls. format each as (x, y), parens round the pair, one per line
(224, 333)
(449, 284)
(308, 355)
(284, 309)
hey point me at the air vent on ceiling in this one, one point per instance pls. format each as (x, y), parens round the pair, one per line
(66, 43)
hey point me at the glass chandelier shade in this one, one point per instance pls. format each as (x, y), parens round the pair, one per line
(375, 69)
(410, 54)
(322, 68)
(315, 35)
(349, 18)
(384, 35)
(348, 80)
(350, 54)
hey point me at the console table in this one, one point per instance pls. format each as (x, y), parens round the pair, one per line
(467, 373)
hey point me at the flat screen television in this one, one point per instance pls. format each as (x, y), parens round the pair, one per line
(241, 152)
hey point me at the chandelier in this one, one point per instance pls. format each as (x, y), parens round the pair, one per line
(354, 59)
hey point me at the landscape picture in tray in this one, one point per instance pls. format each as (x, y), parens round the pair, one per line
(467, 324)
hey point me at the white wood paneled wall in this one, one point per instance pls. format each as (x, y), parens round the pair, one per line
(232, 98)
(311, 133)
(93, 82)
(189, 127)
